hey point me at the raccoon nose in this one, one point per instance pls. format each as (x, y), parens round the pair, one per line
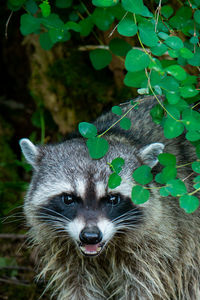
(90, 235)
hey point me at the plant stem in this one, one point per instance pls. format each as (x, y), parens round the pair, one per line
(100, 135)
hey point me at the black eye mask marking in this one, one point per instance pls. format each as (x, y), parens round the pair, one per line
(116, 206)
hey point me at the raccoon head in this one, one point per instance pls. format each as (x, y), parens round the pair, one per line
(70, 196)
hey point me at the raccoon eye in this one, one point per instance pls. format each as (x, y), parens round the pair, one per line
(68, 199)
(113, 199)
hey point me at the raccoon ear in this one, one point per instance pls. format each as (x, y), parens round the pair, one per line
(29, 150)
(149, 154)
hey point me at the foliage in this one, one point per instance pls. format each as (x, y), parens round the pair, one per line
(165, 62)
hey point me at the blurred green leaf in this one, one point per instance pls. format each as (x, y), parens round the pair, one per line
(125, 123)
(100, 58)
(127, 26)
(136, 60)
(174, 42)
(114, 181)
(97, 147)
(167, 159)
(117, 110)
(117, 164)
(176, 187)
(177, 72)
(104, 3)
(63, 3)
(87, 130)
(143, 175)
(139, 195)
(167, 11)
(189, 203)
(119, 47)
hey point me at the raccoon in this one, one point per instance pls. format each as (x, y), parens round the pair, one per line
(94, 242)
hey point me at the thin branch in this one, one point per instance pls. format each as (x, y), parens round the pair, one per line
(7, 23)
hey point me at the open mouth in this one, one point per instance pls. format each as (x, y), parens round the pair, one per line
(91, 249)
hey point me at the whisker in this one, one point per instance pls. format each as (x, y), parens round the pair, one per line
(131, 212)
(54, 212)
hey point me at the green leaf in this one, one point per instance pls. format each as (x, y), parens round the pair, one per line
(119, 47)
(191, 119)
(97, 147)
(45, 41)
(168, 173)
(159, 49)
(173, 53)
(117, 110)
(196, 186)
(87, 130)
(56, 34)
(100, 58)
(193, 135)
(189, 203)
(135, 79)
(31, 6)
(127, 26)
(176, 187)
(197, 16)
(147, 34)
(63, 3)
(117, 164)
(157, 113)
(167, 159)
(167, 11)
(164, 192)
(45, 8)
(139, 195)
(114, 180)
(125, 123)
(143, 175)
(172, 128)
(188, 91)
(52, 21)
(163, 35)
(195, 60)
(173, 97)
(177, 72)
(136, 60)
(86, 26)
(174, 42)
(197, 179)
(181, 19)
(15, 5)
(70, 25)
(169, 84)
(29, 24)
(102, 18)
(196, 166)
(186, 53)
(197, 182)
(104, 3)
(194, 40)
(134, 6)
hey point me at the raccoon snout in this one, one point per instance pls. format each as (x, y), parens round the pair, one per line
(91, 235)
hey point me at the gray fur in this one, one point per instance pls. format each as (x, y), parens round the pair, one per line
(158, 259)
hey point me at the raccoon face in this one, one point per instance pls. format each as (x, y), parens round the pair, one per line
(71, 196)
(91, 222)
